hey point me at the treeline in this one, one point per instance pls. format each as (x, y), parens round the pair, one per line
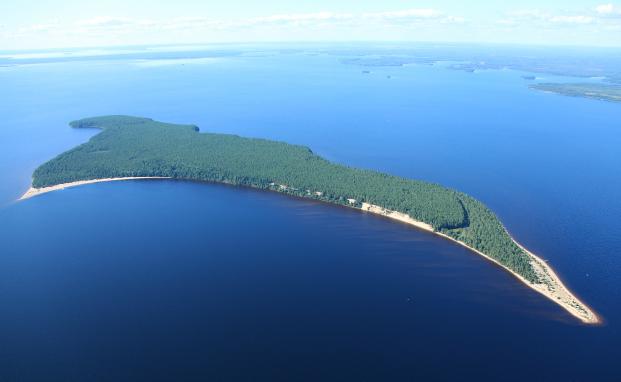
(130, 146)
(599, 91)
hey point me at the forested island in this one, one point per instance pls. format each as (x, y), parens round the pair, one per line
(603, 92)
(131, 148)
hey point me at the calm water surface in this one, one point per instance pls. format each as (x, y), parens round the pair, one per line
(159, 280)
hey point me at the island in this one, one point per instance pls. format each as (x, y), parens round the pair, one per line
(141, 148)
(557, 63)
(602, 92)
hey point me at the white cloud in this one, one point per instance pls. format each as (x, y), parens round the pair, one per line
(526, 14)
(105, 21)
(51, 27)
(110, 25)
(608, 10)
(580, 19)
(114, 23)
(182, 23)
(420, 13)
(605, 9)
(423, 23)
(602, 15)
(323, 18)
(415, 15)
(301, 17)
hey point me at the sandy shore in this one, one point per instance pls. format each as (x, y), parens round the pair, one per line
(551, 286)
(32, 192)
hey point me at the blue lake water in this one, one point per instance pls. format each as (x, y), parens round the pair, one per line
(160, 280)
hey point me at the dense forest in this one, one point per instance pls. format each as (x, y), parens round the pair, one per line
(599, 91)
(134, 147)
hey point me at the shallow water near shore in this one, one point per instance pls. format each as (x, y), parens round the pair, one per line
(147, 279)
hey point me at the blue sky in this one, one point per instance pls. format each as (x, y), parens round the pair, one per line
(27, 24)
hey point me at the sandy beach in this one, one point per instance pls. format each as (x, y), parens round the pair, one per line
(551, 286)
(32, 192)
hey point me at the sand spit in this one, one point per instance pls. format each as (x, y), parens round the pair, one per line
(550, 286)
(32, 192)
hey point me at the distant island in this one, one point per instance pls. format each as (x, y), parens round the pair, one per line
(141, 148)
(609, 71)
(603, 92)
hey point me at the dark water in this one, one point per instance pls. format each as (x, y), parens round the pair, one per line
(151, 279)
(167, 280)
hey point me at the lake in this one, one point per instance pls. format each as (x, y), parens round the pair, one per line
(161, 280)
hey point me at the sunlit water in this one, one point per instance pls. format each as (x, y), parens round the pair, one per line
(162, 279)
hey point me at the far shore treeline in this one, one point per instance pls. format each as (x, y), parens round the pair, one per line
(137, 147)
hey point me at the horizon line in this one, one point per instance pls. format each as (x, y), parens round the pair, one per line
(302, 42)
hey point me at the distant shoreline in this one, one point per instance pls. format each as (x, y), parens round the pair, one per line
(552, 287)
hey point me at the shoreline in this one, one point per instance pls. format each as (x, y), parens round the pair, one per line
(554, 289)
(551, 286)
(32, 192)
